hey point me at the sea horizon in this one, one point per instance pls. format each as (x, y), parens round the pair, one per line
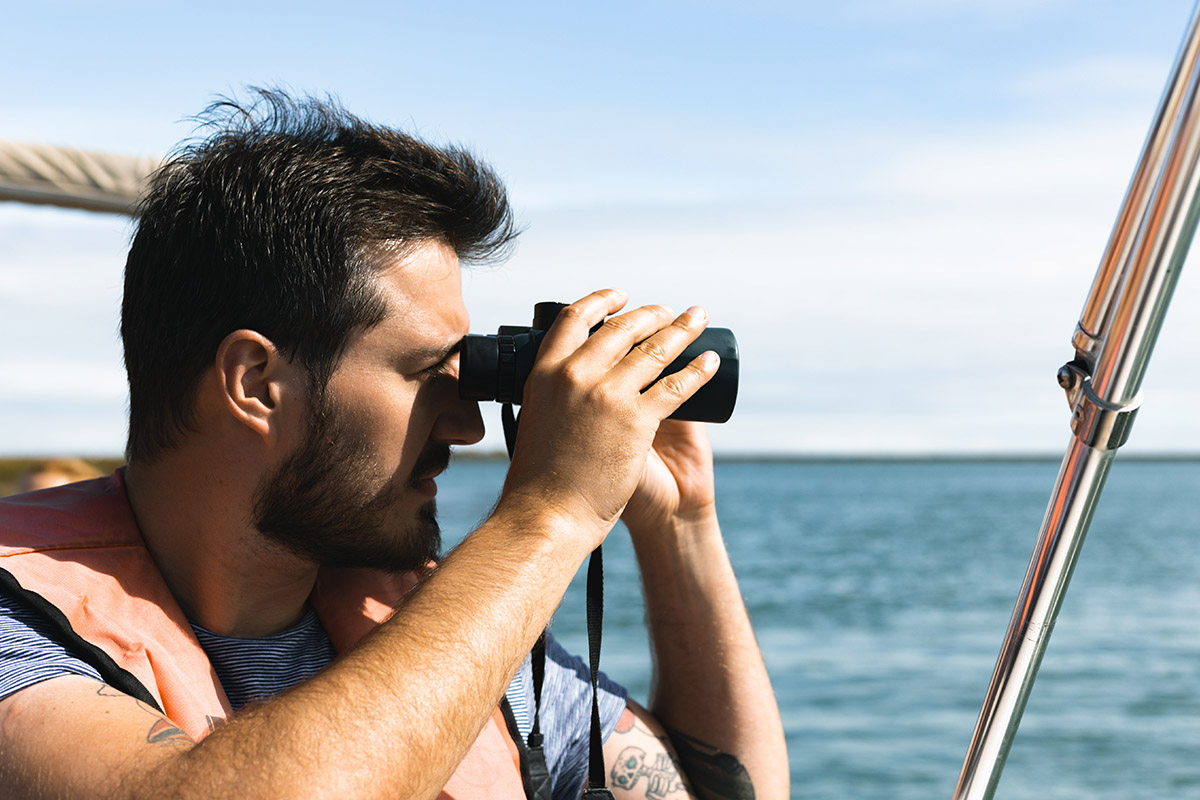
(737, 456)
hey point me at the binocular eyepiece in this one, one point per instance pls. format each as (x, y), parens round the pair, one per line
(495, 367)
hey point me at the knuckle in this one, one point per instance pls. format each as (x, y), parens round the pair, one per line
(685, 321)
(654, 351)
(571, 313)
(619, 324)
(572, 374)
(675, 385)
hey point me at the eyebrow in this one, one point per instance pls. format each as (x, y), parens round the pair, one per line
(435, 355)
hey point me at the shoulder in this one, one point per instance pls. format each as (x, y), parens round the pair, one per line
(29, 650)
(92, 512)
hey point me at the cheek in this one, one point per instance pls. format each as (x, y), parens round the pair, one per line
(399, 425)
(380, 411)
(423, 411)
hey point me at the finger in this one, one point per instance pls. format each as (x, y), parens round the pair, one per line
(647, 360)
(618, 335)
(671, 391)
(573, 323)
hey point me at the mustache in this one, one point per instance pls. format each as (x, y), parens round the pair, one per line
(435, 458)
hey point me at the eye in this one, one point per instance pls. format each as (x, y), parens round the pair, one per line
(445, 365)
(441, 369)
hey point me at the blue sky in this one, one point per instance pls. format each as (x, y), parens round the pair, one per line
(898, 205)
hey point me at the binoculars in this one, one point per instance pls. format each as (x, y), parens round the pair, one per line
(495, 367)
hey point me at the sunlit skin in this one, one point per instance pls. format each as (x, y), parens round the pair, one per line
(399, 380)
(395, 715)
(396, 381)
(361, 490)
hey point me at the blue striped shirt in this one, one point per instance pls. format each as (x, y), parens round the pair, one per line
(252, 669)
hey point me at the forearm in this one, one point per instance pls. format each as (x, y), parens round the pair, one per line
(442, 664)
(395, 716)
(710, 683)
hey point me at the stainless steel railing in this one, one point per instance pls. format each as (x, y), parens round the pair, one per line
(1113, 342)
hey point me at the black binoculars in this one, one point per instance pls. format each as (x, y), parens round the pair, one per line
(494, 367)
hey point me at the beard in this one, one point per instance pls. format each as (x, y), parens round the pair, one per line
(330, 501)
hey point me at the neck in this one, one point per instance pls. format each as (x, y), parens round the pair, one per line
(196, 519)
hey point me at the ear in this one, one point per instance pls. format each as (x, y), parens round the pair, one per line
(253, 380)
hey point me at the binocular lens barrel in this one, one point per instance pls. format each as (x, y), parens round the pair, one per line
(494, 367)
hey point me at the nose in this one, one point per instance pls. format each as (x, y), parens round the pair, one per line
(460, 423)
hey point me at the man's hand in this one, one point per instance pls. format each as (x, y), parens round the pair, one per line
(588, 419)
(711, 691)
(677, 483)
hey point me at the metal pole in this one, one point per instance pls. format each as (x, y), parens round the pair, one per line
(1089, 333)
(1116, 334)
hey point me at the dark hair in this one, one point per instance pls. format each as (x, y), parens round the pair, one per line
(274, 222)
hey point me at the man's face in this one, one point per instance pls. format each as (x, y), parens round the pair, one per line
(359, 490)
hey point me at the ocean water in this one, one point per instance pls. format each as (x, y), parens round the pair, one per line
(881, 592)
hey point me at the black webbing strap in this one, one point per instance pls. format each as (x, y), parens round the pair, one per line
(62, 633)
(597, 787)
(536, 774)
(595, 617)
(509, 421)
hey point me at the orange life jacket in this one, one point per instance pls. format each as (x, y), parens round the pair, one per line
(75, 553)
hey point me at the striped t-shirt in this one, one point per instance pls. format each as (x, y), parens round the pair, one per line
(252, 669)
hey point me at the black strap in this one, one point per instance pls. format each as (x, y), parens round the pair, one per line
(538, 663)
(114, 675)
(509, 420)
(535, 775)
(597, 783)
(537, 782)
(597, 787)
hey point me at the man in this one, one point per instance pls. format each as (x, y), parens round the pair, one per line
(291, 322)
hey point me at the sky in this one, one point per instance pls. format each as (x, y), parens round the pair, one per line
(897, 205)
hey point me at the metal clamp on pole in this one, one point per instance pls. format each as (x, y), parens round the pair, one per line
(1101, 425)
(1096, 422)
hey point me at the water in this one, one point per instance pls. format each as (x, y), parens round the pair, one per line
(881, 593)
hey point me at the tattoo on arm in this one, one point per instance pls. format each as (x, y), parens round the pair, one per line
(664, 781)
(165, 732)
(162, 731)
(662, 777)
(714, 775)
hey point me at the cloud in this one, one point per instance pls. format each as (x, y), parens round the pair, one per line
(925, 308)
(898, 288)
(1106, 78)
(61, 379)
(888, 9)
(1029, 164)
(62, 405)
(988, 9)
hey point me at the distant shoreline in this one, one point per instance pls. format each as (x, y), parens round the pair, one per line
(11, 467)
(932, 458)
